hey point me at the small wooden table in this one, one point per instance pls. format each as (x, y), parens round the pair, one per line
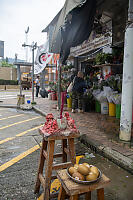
(68, 187)
(47, 153)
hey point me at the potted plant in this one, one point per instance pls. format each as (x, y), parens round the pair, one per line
(112, 82)
(53, 88)
(108, 58)
(100, 59)
(103, 58)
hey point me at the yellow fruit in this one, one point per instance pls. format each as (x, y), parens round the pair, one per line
(72, 170)
(78, 176)
(91, 177)
(87, 165)
(76, 166)
(82, 169)
(94, 169)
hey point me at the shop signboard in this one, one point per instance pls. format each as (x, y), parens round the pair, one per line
(90, 45)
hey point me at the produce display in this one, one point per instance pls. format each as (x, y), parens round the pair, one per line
(84, 173)
(52, 125)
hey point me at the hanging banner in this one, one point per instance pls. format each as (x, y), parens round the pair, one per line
(54, 59)
(43, 57)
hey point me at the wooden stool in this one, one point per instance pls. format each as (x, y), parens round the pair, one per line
(47, 152)
(68, 187)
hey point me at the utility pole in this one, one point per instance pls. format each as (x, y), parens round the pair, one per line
(127, 84)
(59, 85)
(18, 74)
(33, 47)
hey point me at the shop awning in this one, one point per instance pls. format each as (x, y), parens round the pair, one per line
(60, 17)
(75, 22)
(73, 26)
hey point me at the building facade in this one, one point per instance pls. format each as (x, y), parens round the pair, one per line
(8, 73)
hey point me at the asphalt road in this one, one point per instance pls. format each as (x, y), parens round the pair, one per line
(12, 94)
(19, 140)
(19, 155)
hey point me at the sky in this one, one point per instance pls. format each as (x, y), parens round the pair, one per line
(17, 15)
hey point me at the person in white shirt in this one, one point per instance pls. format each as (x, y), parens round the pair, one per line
(37, 86)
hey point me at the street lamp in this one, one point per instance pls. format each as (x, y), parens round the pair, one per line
(26, 41)
(33, 47)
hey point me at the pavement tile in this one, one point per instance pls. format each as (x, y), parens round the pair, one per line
(131, 157)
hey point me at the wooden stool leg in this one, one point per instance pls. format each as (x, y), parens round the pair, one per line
(75, 197)
(64, 145)
(40, 166)
(62, 194)
(48, 171)
(88, 196)
(72, 150)
(100, 194)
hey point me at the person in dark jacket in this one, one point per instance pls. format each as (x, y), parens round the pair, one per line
(37, 85)
(74, 73)
(77, 92)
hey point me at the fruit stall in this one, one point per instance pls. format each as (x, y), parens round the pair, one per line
(64, 129)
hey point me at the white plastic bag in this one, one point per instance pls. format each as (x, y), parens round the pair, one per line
(69, 89)
(117, 99)
(99, 95)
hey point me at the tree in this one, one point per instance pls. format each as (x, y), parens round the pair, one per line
(6, 64)
(7, 59)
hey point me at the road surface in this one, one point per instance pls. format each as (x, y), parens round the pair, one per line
(19, 154)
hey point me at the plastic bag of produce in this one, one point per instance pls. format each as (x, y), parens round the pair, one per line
(107, 90)
(117, 99)
(96, 93)
(102, 97)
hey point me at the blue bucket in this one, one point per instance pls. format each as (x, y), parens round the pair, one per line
(28, 101)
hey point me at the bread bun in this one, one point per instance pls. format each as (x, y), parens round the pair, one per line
(87, 165)
(71, 170)
(91, 177)
(95, 170)
(82, 169)
(78, 176)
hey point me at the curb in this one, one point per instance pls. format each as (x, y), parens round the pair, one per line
(39, 111)
(9, 106)
(114, 156)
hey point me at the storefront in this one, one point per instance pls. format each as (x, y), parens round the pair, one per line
(84, 55)
(102, 65)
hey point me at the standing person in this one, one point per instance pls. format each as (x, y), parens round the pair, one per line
(77, 92)
(73, 71)
(37, 85)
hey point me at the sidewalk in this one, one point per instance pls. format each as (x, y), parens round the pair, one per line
(98, 132)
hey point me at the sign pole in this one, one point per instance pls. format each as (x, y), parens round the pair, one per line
(33, 46)
(33, 74)
(59, 85)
